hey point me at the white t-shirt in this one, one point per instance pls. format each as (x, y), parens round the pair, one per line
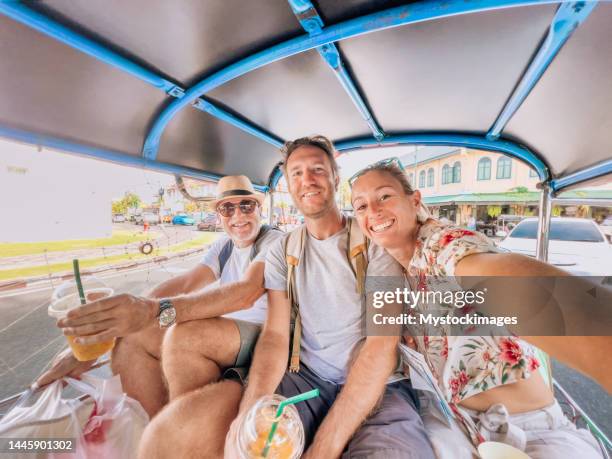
(330, 307)
(236, 266)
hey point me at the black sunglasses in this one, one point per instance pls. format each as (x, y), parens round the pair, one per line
(227, 209)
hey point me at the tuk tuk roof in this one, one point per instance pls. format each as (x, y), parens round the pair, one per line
(206, 89)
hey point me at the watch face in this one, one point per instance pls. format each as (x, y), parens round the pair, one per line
(167, 317)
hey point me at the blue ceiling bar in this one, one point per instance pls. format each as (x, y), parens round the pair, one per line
(441, 139)
(62, 145)
(21, 13)
(312, 23)
(598, 170)
(568, 18)
(394, 17)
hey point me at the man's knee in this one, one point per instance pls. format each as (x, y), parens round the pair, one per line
(197, 422)
(144, 343)
(210, 338)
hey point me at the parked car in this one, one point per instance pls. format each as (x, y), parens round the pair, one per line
(183, 219)
(576, 245)
(118, 218)
(149, 217)
(606, 227)
(210, 222)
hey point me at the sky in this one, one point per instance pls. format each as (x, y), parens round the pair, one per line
(49, 195)
(46, 195)
(112, 178)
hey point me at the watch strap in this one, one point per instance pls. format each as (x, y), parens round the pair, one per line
(164, 303)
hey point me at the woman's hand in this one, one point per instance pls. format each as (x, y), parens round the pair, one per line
(65, 364)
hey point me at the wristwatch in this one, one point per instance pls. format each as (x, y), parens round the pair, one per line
(167, 313)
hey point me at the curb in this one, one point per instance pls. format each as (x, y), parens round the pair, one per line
(19, 284)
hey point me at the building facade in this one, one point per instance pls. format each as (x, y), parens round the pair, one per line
(461, 184)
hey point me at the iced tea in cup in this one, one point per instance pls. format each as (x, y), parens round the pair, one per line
(66, 297)
(288, 441)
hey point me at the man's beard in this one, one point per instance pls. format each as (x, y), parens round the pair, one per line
(321, 212)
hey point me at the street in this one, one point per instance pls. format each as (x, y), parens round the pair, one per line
(29, 339)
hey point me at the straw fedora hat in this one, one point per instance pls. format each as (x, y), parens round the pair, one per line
(236, 186)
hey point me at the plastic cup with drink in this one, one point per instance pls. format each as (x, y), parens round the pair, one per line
(71, 295)
(272, 428)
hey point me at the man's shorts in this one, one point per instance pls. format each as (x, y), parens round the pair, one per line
(249, 333)
(394, 430)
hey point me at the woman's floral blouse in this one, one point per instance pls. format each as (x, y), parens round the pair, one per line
(463, 365)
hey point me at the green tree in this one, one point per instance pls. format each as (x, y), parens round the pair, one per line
(191, 207)
(131, 200)
(119, 207)
(345, 195)
(494, 211)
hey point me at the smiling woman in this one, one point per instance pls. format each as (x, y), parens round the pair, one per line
(507, 380)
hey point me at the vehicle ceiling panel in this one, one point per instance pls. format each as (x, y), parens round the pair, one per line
(334, 11)
(197, 140)
(182, 39)
(54, 89)
(294, 97)
(453, 74)
(568, 115)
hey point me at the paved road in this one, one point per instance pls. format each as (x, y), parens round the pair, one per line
(29, 340)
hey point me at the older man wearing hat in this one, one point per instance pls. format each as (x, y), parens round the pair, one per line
(206, 332)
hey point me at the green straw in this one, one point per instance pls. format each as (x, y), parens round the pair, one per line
(77, 278)
(290, 401)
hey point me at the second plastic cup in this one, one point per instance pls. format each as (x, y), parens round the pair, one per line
(288, 442)
(60, 307)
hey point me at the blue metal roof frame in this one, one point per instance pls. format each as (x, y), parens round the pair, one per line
(53, 29)
(598, 170)
(568, 18)
(108, 155)
(394, 17)
(313, 24)
(441, 139)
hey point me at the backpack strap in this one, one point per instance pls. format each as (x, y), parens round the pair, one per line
(357, 253)
(263, 230)
(294, 250)
(225, 254)
(226, 251)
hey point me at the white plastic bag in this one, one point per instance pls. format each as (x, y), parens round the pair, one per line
(107, 424)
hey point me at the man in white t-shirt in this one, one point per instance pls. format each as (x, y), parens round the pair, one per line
(198, 352)
(214, 329)
(363, 410)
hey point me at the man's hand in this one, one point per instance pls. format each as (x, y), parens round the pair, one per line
(108, 318)
(65, 364)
